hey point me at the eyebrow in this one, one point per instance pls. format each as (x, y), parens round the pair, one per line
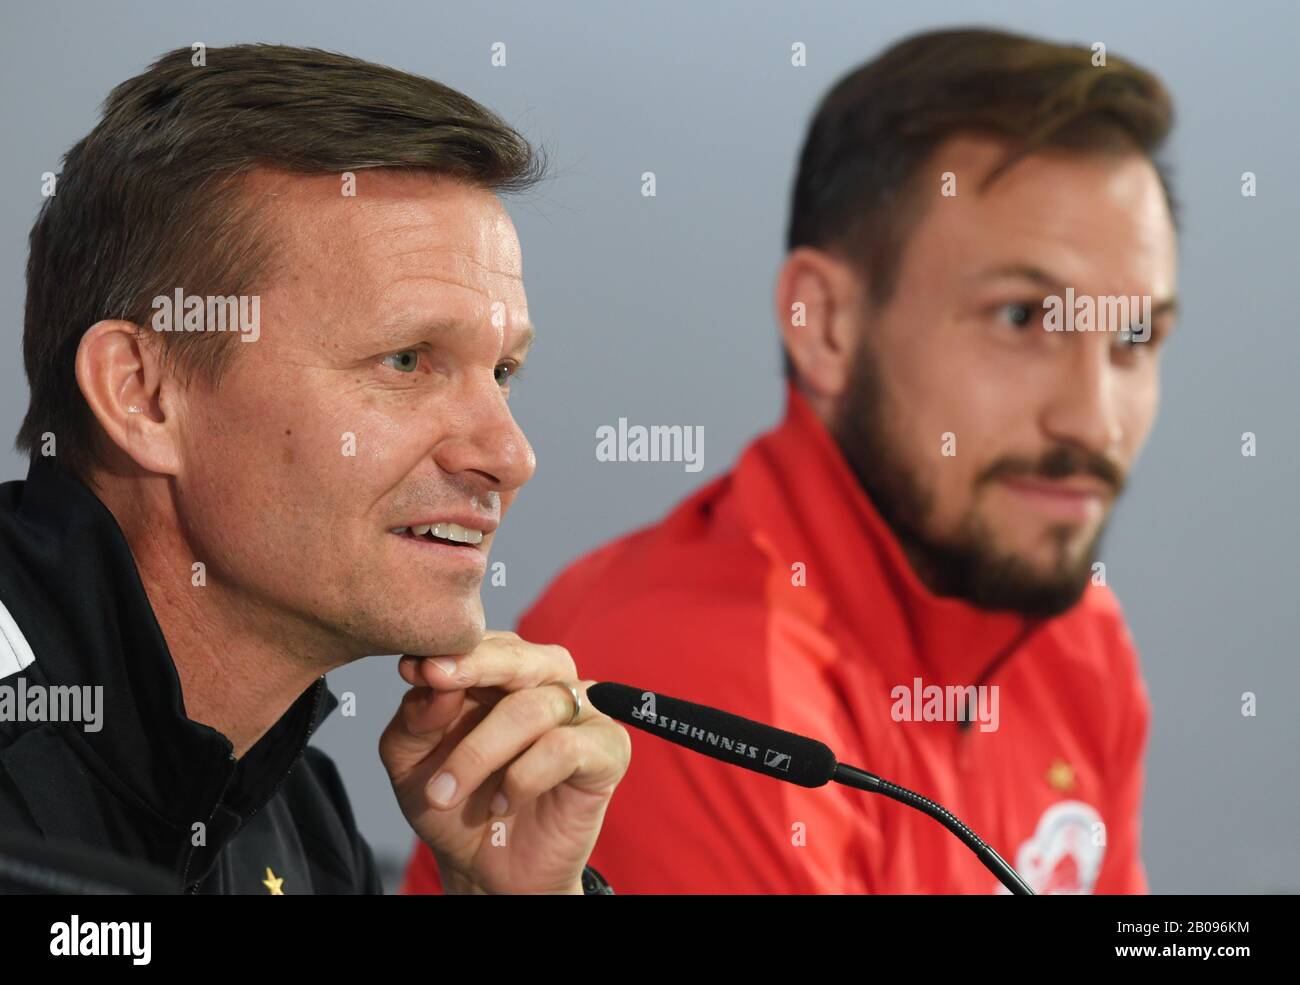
(525, 341)
(1027, 271)
(393, 333)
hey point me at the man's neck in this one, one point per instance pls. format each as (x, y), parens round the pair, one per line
(239, 672)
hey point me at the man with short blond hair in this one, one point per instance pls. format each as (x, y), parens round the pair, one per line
(215, 519)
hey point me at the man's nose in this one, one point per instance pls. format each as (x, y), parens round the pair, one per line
(1084, 406)
(484, 441)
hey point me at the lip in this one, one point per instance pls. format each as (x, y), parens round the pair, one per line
(1077, 501)
(469, 555)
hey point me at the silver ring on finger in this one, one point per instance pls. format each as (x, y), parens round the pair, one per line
(576, 694)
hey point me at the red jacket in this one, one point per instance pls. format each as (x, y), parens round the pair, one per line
(778, 593)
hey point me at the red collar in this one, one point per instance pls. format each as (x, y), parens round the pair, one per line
(799, 496)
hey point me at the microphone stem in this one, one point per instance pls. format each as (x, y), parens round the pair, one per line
(851, 776)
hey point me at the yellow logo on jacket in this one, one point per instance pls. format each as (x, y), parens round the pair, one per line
(272, 883)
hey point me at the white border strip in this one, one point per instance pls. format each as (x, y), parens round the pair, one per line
(15, 652)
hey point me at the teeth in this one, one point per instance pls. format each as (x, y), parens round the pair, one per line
(461, 535)
(444, 531)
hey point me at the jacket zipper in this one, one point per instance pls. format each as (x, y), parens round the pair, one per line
(189, 858)
(302, 748)
(966, 726)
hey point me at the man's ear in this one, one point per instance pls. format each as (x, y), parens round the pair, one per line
(120, 374)
(819, 306)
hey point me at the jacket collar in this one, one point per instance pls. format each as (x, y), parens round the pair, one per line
(84, 611)
(802, 502)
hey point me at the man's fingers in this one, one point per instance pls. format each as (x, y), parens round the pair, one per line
(422, 720)
(514, 724)
(593, 755)
(427, 671)
(502, 660)
(520, 681)
(408, 668)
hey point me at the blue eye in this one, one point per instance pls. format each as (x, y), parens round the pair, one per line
(407, 360)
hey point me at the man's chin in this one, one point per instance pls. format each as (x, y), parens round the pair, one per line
(978, 572)
(449, 643)
(436, 637)
(1009, 584)
(1035, 591)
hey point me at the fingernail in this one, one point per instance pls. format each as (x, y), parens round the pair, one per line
(499, 803)
(446, 665)
(442, 789)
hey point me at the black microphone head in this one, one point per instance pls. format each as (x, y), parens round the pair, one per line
(719, 734)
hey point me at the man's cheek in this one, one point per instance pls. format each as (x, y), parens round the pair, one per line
(946, 477)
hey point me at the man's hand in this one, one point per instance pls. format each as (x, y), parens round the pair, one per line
(489, 773)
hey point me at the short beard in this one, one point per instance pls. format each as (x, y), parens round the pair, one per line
(968, 565)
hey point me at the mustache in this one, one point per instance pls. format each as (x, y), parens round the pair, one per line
(457, 497)
(1060, 462)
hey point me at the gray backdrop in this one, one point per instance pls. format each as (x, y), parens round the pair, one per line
(658, 310)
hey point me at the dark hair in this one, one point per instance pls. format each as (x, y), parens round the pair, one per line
(150, 199)
(855, 188)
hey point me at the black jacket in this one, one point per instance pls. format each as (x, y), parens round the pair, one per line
(150, 784)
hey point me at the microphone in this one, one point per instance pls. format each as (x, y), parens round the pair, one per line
(778, 754)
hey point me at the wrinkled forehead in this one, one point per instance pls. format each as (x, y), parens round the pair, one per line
(402, 240)
(382, 225)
